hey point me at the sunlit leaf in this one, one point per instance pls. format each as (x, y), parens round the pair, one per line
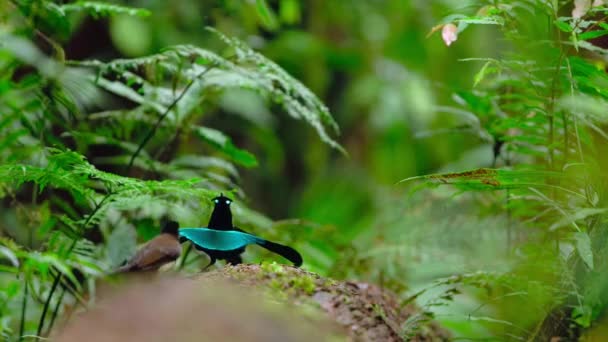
(583, 247)
(8, 254)
(563, 26)
(103, 9)
(266, 15)
(224, 144)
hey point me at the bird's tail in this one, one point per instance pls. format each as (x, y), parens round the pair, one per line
(282, 250)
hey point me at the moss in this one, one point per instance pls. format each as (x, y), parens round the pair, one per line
(273, 268)
(288, 280)
(305, 283)
(379, 311)
(349, 304)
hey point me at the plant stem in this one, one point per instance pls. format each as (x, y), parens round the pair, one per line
(47, 302)
(55, 311)
(57, 278)
(185, 257)
(23, 310)
(163, 116)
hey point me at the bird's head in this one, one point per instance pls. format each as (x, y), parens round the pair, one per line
(170, 227)
(222, 201)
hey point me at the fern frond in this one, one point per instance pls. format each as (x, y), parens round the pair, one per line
(302, 102)
(70, 171)
(247, 69)
(103, 9)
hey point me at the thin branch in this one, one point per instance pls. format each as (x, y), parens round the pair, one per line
(55, 311)
(23, 310)
(185, 257)
(57, 279)
(163, 116)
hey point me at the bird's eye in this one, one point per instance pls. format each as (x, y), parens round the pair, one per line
(216, 201)
(227, 201)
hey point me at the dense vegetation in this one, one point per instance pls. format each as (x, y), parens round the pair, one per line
(467, 175)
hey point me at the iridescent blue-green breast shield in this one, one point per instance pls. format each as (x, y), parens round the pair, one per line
(210, 240)
(219, 240)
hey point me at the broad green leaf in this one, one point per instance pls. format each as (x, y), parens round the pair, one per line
(583, 247)
(592, 34)
(223, 143)
(582, 315)
(563, 26)
(266, 15)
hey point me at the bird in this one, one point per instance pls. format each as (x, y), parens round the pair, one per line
(216, 242)
(161, 250)
(221, 219)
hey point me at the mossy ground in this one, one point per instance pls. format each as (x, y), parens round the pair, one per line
(363, 311)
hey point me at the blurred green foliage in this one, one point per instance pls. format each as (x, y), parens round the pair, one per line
(497, 230)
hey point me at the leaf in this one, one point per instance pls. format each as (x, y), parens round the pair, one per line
(583, 247)
(122, 244)
(266, 15)
(29, 53)
(482, 73)
(491, 179)
(563, 26)
(247, 69)
(582, 315)
(125, 91)
(223, 143)
(299, 101)
(9, 255)
(204, 162)
(289, 11)
(489, 320)
(585, 106)
(579, 215)
(55, 18)
(592, 34)
(482, 20)
(104, 9)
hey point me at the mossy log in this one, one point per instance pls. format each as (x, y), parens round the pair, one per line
(266, 302)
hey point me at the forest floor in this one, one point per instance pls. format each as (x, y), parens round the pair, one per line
(267, 302)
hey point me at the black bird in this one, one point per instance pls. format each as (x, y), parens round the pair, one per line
(221, 219)
(230, 246)
(161, 250)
